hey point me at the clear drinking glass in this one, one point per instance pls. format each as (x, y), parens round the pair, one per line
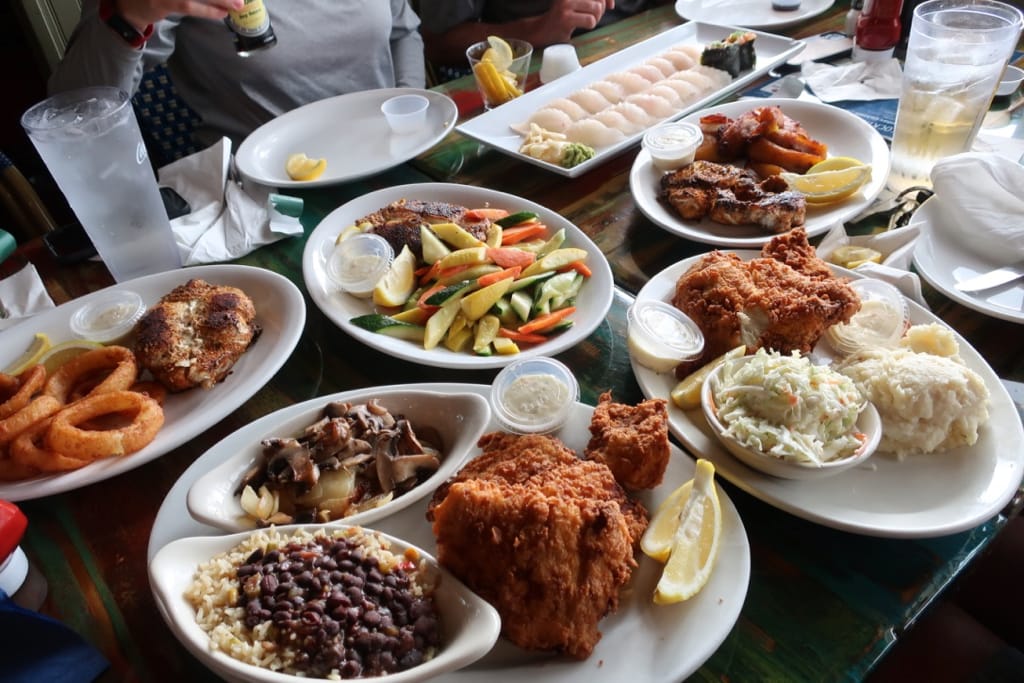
(91, 144)
(956, 53)
(497, 81)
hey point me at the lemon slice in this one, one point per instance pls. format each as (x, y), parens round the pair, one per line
(65, 351)
(835, 164)
(657, 539)
(349, 231)
(850, 256)
(40, 345)
(301, 167)
(395, 288)
(695, 542)
(499, 53)
(829, 186)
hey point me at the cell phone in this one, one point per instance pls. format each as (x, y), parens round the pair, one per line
(69, 244)
(823, 47)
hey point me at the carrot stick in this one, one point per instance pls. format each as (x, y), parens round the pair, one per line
(491, 278)
(506, 257)
(520, 337)
(546, 321)
(486, 212)
(516, 235)
(422, 301)
(431, 273)
(579, 266)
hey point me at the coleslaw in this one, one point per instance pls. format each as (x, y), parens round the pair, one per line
(789, 408)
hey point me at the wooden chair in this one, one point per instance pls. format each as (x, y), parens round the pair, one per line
(29, 216)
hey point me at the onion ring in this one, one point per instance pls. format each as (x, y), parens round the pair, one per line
(119, 360)
(20, 389)
(38, 409)
(10, 470)
(28, 450)
(151, 388)
(66, 437)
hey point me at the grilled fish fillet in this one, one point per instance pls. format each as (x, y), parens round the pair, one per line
(194, 335)
(399, 222)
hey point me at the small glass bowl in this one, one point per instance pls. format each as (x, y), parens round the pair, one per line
(1010, 80)
(405, 113)
(534, 395)
(880, 323)
(109, 318)
(661, 336)
(673, 145)
(358, 262)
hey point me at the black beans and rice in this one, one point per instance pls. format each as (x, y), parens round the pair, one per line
(329, 604)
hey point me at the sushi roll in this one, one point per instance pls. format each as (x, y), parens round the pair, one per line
(744, 40)
(722, 55)
(594, 133)
(613, 92)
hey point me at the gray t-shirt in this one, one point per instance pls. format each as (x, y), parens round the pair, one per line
(324, 48)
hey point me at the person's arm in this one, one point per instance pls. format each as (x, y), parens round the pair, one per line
(407, 46)
(97, 55)
(554, 26)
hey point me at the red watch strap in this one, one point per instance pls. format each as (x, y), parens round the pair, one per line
(121, 26)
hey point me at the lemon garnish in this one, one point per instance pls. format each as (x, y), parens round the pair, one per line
(65, 351)
(349, 231)
(829, 186)
(40, 345)
(849, 256)
(398, 283)
(499, 53)
(695, 541)
(301, 167)
(835, 164)
(657, 539)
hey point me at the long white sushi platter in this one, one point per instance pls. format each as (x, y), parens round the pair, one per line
(500, 127)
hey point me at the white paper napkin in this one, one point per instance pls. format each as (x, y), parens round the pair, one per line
(22, 295)
(877, 80)
(980, 200)
(897, 249)
(227, 220)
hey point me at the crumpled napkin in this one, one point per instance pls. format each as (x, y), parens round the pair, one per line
(38, 648)
(227, 220)
(897, 249)
(875, 80)
(979, 198)
(22, 295)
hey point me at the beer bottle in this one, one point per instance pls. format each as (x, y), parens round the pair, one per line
(251, 26)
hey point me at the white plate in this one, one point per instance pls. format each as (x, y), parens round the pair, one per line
(459, 420)
(844, 133)
(593, 302)
(492, 127)
(280, 311)
(922, 496)
(641, 641)
(943, 264)
(348, 130)
(749, 13)
(471, 625)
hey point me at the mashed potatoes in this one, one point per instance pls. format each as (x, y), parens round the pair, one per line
(927, 402)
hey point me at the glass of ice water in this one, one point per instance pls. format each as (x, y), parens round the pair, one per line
(956, 53)
(91, 144)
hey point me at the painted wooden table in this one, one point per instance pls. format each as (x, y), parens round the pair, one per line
(822, 605)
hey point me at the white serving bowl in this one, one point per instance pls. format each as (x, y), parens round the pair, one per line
(868, 422)
(459, 419)
(470, 626)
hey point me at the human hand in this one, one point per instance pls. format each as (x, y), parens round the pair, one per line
(565, 16)
(141, 13)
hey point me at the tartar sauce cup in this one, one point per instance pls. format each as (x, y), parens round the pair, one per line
(534, 395)
(358, 262)
(673, 145)
(405, 113)
(881, 322)
(108, 318)
(660, 336)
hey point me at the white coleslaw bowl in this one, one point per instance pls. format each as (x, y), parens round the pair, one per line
(868, 422)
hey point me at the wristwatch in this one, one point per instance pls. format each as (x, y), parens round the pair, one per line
(121, 26)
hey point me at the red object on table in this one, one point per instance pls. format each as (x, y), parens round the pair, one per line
(12, 527)
(878, 29)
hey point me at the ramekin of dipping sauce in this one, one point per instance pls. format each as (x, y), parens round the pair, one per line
(660, 336)
(881, 322)
(534, 395)
(358, 262)
(673, 145)
(108, 318)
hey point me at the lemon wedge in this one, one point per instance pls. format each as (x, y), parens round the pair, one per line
(657, 540)
(695, 542)
(835, 164)
(499, 53)
(40, 345)
(829, 186)
(849, 256)
(349, 231)
(397, 285)
(301, 167)
(686, 394)
(61, 353)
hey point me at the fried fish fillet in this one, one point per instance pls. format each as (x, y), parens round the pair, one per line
(545, 537)
(194, 335)
(631, 440)
(399, 222)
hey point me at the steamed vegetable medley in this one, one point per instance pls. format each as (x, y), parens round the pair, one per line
(516, 286)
